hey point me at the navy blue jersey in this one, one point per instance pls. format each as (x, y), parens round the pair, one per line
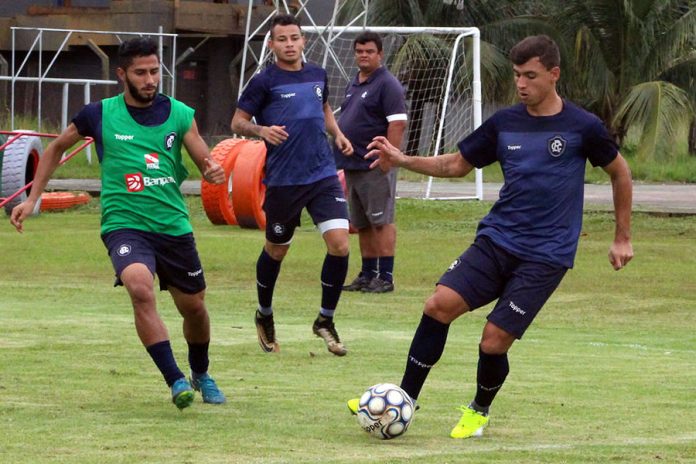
(294, 99)
(366, 112)
(539, 213)
(89, 120)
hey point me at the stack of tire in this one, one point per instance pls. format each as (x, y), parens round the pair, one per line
(18, 163)
(238, 201)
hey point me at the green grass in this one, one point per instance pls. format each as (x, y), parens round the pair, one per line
(605, 375)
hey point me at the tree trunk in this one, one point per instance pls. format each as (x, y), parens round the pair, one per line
(692, 138)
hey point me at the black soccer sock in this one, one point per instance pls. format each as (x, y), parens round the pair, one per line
(490, 376)
(267, 270)
(386, 268)
(198, 357)
(161, 353)
(333, 276)
(369, 267)
(426, 348)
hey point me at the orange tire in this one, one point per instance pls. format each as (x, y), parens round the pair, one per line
(63, 200)
(217, 198)
(342, 179)
(249, 190)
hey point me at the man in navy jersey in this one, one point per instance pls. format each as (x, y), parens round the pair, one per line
(289, 102)
(145, 224)
(374, 105)
(528, 240)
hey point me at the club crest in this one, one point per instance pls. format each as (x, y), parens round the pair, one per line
(318, 92)
(556, 146)
(169, 140)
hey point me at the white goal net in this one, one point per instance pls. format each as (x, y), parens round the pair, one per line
(439, 69)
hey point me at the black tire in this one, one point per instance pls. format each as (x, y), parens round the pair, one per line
(20, 161)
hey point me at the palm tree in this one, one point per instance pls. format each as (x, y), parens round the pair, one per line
(633, 62)
(409, 62)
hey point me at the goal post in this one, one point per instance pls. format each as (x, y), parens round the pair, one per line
(439, 68)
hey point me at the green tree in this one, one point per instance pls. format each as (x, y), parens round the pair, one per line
(633, 62)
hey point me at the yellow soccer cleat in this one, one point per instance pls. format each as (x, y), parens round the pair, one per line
(471, 424)
(353, 405)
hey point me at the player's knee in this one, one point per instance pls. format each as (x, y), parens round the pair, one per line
(340, 248)
(495, 340)
(141, 293)
(436, 308)
(277, 252)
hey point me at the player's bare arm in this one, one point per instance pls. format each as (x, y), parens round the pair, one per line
(198, 150)
(340, 140)
(621, 250)
(47, 165)
(387, 156)
(242, 125)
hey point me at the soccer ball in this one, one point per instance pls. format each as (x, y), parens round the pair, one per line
(385, 411)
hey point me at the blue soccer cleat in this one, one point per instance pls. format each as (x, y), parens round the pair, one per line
(182, 393)
(209, 390)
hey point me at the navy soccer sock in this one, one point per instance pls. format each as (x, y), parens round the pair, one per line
(426, 348)
(369, 267)
(198, 357)
(267, 270)
(333, 276)
(490, 376)
(161, 353)
(386, 268)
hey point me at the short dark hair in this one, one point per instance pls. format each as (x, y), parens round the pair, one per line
(541, 46)
(133, 48)
(284, 20)
(368, 36)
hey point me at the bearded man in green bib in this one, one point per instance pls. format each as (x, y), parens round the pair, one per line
(145, 224)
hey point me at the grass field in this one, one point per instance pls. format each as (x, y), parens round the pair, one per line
(605, 375)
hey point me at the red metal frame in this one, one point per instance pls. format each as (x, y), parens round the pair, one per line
(16, 135)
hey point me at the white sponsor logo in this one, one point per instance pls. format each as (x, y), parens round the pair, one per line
(340, 200)
(377, 214)
(124, 250)
(124, 137)
(418, 363)
(517, 309)
(318, 92)
(195, 273)
(364, 94)
(150, 181)
(454, 264)
(287, 95)
(514, 147)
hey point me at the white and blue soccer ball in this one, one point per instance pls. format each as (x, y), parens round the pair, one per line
(385, 411)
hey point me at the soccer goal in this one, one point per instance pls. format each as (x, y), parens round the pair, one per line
(440, 71)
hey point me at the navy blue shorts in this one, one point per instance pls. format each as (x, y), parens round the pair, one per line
(283, 206)
(486, 271)
(173, 258)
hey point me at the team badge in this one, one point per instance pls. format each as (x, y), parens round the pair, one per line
(454, 264)
(134, 182)
(557, 146)
(278, 229)
(169, 140)
(124, 250)
(318, 92)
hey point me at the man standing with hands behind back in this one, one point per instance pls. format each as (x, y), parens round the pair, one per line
(374, 105)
